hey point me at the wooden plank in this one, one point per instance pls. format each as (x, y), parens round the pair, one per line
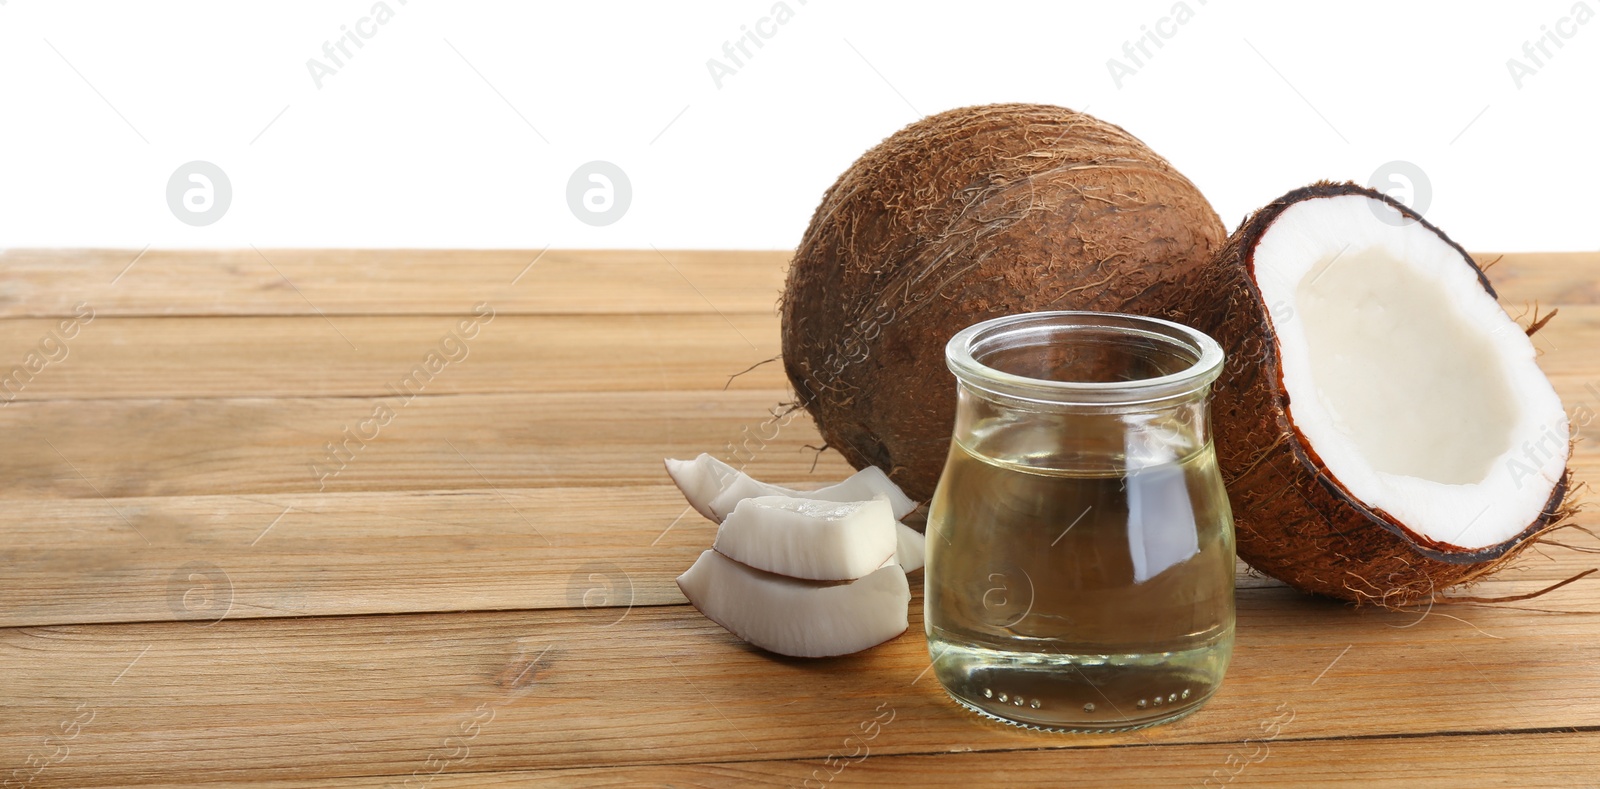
(76, 561)
(298, 699)
(366, 356)
(1545, 760)
(349, 356)
(38, 282)
(131, 448)
(205, 558)
(135, 448)
(1544, 277)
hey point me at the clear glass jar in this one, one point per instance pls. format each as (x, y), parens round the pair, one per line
(1080, 544)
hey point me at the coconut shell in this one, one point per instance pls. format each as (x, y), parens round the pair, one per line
(963, 216)
(1293, 520)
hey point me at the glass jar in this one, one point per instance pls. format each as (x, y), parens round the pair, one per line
(1080, 545)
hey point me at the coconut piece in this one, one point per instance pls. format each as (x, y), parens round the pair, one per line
(714, 488)
(910, 548)
(860, 486)
(794, 617)
(701, 480)
(808, 538)
(1383, 423)
(962, 216)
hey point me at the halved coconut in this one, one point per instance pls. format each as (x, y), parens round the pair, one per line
(714, 488)
(794, 617)
(1382, 424)
(807, 538)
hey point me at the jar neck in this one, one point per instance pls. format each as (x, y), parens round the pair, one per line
(1083, 391)
(1096, 440)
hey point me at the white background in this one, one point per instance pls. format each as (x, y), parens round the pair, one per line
(458, 125)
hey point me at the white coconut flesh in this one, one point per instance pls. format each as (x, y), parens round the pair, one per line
(701, 480)
(1421, 396)
(860, 486)
(911, 548)
(714, 488)
(795, 617)
(807, 538)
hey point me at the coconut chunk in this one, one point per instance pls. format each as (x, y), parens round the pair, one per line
(701, 480)
(714, 488)
(911, 548)
(794, 617)
(808, 538)
(860, 486)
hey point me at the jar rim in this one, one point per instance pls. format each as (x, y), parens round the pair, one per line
(962, 351)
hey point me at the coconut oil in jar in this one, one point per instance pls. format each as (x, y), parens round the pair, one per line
(1080, 544)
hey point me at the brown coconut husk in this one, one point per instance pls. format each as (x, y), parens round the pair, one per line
(1293, 520)
(963, 216)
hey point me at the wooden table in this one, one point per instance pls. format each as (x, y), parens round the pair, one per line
(478, 588)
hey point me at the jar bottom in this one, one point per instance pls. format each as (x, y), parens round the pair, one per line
(1065, 692)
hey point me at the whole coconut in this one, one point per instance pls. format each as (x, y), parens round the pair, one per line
(962, 216)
